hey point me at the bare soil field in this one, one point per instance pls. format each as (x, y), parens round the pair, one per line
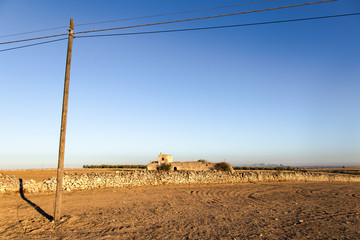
(207, 211)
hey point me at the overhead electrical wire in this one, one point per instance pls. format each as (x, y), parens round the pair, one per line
(168, 22)
(37, 38)
(174, 13)
(34, 44)
(35, 31)
(193, 29)
(206, 17)
(136, 18)
(217, 27)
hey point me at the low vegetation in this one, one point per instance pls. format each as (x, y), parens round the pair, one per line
(223, 166)
(202, 160)
(266, 168)
(354, 172)
(115, 166)
(164, 167)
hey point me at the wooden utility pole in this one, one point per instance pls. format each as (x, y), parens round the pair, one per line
(60, 170)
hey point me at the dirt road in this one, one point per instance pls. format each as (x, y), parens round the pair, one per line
(239, 211)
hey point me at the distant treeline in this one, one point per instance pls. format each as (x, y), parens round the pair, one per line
(266, 168)
(354, 172)
(115, 166)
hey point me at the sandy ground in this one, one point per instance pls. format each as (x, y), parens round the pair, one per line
(214, 211)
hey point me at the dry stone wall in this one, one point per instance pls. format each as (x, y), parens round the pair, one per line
(75, 181)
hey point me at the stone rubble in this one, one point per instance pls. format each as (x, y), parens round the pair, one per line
(74, 181)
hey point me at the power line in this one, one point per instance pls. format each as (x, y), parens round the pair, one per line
(218, 27)
(37, 38)
(31, 45)
(206, 17)
(174, 13)
(35, 31)
(167, 22)
(136, 18)
(193, 29)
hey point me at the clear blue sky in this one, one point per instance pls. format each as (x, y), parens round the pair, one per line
(284, 93)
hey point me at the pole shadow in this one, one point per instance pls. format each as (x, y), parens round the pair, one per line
(36, 207)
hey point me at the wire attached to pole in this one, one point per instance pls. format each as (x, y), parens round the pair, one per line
(31, 45)
(136, 18)
(167, 22)
(206, 17)
(218, 27)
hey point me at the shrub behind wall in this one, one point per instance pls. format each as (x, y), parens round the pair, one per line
(164, 167)
(223, 166)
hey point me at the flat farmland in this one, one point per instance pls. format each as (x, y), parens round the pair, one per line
(283, 210)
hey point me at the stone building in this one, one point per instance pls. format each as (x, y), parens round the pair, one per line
(200, 165)
(164, 158)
